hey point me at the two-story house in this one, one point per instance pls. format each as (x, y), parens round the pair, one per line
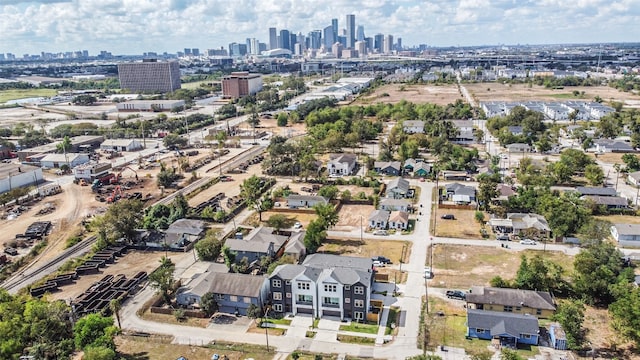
(263, 241)
(413, 126)
(397, 188)
(387, 167)
(536, 303)
(324, 285)
(341, 164)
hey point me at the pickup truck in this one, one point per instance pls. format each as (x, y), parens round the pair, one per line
(455, 294)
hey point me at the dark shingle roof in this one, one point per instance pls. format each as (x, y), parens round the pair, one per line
(502, 322)
(601, 191)
(511, 297)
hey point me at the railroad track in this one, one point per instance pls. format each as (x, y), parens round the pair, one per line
(28, 276)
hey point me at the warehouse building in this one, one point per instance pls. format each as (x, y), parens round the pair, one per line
(17, 175)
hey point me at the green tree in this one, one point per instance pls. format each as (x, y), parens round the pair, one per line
(327, 214)
(487, 190)
(174, 141)
(99, 353)
(625, 311)
(162, 278)
(594, 232)
(315, 235)
(115, 306)
(84, 100)
(277, 221)
(208, 303)
(508, 354)
(209, 248)
(229, 256)
(499, 282)
(283, 118)
(330, 192)
(253, 311)
(570, 315)
(250, 190)
(538, 274)
(594, 174)
(94, 330)
(596, 268)
(632, 162)
(123, 218)
(65, 145)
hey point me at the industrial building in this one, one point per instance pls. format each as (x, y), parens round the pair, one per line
(150, 76)
(78, 144)
(241, 83)
(58, 160)
(17, 175)
(149, 105)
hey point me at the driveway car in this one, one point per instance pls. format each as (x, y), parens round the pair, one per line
(502, 237)
(455, 294)
(297, 225)
(527, 242)
(382, 259)
(428, 274)
(378, 264)
(448, 217)
(380, 232)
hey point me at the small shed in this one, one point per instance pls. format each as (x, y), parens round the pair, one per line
(557, 336)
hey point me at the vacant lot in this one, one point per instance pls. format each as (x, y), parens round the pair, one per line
(352, 216)
(151, 348)
(394, 93)
(460, 266)
(620, 219)
(464, 226)
(521, 92)
(367, 248)
(14, 94)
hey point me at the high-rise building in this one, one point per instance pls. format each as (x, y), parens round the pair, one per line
(315, 39)
(351, 31)
(247, 42)
(334, 26)
(378, 43)
(329, 38)
(240, 84)
(360, 33)
(236, 49)
(387, 46)
(369, 41)
(293, 40)
(336, 49)
(285, 39)
(399, 44)
(273, 38)
(195, 52)
(149, 76)
(255, 46)
(361, 47)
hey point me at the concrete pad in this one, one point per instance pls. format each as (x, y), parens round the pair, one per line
(301, 320)
(329, 323)
(326, 336)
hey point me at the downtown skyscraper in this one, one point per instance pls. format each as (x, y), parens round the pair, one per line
(351, 31)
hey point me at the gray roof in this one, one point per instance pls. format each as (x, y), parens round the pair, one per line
(635, 175)
(461, 123)
(13, 169)
(515, 129)
(344, 269)
(518, 145)
(400, 183)
(614, 145)
(343, 158)
(502, 322)
(608, 200)
(379, 215)
(460, 189)
(412, 123)
(627, 229)
(601, 191)
(227, 283)
(385, 164)
(307, 198)
(511, 297)
(258, 240)
(187, 226)
(394, 202)
(330, 261)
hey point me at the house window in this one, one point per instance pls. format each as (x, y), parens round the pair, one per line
(508, 308)
(277, 296)
(525, 336)
(276, 283)
(330, 287)
(347, 300)
(219, 296)
(518, 308)
(305, 298)
(358, 315)
(304, 286)
(288, 282)
(247, 300)
(480, 331)
(358, 303)
(330, 301)
(288, 295)
(277, 307)
(347, 287)
(358, 290)
(538, 311)
(233, 298)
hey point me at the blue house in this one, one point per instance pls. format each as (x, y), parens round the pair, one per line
(511, 329)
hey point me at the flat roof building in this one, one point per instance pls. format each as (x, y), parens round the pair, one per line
(150, 76)
(241, 83)
(18, 175)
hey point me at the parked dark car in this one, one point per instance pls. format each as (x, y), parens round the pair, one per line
(382, 259)
(448, 217)
(455, 294)
(11, 251)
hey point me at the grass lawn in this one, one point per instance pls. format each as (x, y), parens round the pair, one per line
(310, 334)
(282, 321)
(151, 348)
(566, 96)
(13, 94)
(260, 330)
(461, 266)
(195, 84)
(367, 248)
(394, 312)
(357, 327)
(171, 319)
(356, 339)
(464, 226)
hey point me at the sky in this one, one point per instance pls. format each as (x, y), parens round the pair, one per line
(137, 26)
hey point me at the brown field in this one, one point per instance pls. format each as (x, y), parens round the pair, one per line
(464, 226)
(351, 216)
(367, 248)
(460, 266)
(620, 219)
(521, 92)
(609, 158)
(151, 348)
(128, 265)
(436, 94)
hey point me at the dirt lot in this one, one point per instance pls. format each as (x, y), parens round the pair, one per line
(521, 92)
(128, 265)
(229, 188)
(391, 249)
(464, 226)
(440, 94)
(352, 216)
(460, 267)
(161, 348)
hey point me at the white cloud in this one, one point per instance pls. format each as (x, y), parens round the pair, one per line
(134, 26)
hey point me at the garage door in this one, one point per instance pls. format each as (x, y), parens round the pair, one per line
(302, 310)
(331, 313)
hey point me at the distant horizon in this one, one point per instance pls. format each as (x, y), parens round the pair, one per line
(53, 26)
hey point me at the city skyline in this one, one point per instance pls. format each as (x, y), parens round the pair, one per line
(125, 27)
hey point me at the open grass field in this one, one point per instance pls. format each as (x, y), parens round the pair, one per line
(460, 266)
(464, 226)
(391, 249)
(152, 348)
(521, 92)
(14, 94)
(394, 93)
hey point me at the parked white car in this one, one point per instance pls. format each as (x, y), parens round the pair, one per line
(528, 242)
(428, 274)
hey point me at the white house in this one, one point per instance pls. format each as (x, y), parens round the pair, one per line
(17, 175)
(70, 159)
(627, 235)
(121, 145)
(305, 201)
(91, 171)
(413, 126)
(399, 220)
(634, 178)
(378, 219)
(390, 204)
(341, 164)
